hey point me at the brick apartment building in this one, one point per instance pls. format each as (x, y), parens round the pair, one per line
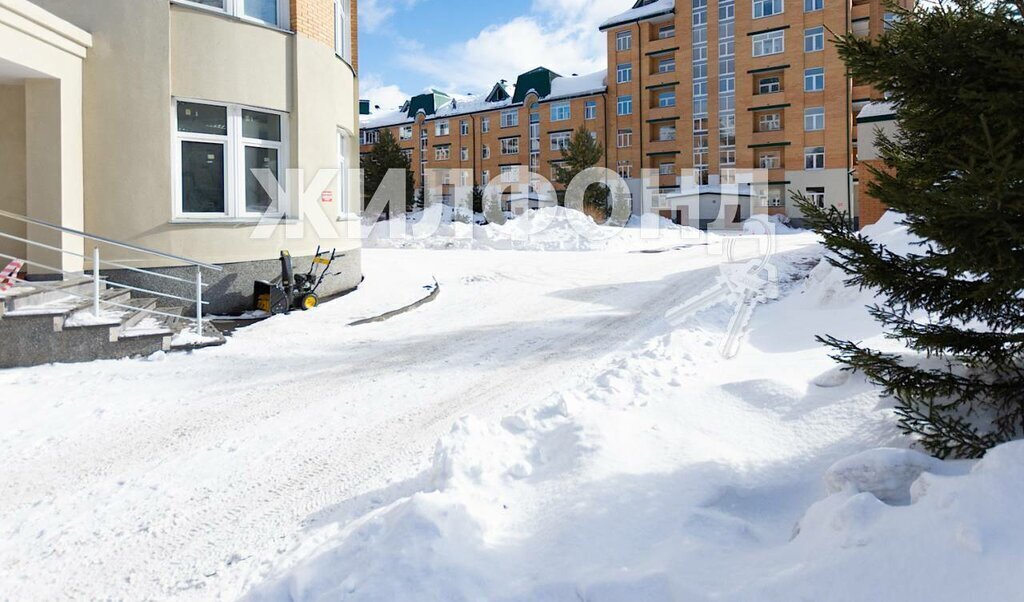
(713, 86)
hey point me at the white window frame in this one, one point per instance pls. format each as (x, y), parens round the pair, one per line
(770, 88)
(814, 119)
(443, 152)
(772, 4)
(666, 99)
(510, 146)
(770, 160)
(812, 154)
(510, 118)
(667, 169)
(624, 73)
(442, 128)
(624, 138)
(561, 111)
(405, 132)
(559, 141)
(624, 106)
(667, 133)
(816, 194)
(623, 41)
(486, 152)
(666, 32)
(464, 154)
(342, 31)
(769, 122)
(667, 65)
(464, 128)
(345, 164)
(485, 177)
(485, 124)
(590, 110)
(815, 5)
(816, 37)
(236, 8)
(234, 161)
(812, 76)
(768, 43)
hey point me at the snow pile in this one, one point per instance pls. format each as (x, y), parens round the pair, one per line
(768, 224)
(548, 229)
(678, 475)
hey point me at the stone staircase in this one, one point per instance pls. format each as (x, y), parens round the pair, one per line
(53, 322)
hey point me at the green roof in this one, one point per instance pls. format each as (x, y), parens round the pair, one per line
(428, 102)
(539, 81)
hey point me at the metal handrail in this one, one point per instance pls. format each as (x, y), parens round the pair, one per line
(116, 243)
(154, 312)
(113, 264)
(98, 283)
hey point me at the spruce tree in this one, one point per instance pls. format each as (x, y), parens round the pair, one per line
(955, 75)
(583, 152)
(386, 154)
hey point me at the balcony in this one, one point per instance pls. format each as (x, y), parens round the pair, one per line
(767, 100)
(759, 138)
(659, 79)
(657, 112)
(661, 146)
(657, 45)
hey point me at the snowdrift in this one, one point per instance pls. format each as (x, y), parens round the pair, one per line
(549, 229)
(678, 475)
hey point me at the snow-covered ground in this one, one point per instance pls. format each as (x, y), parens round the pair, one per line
(541, 431)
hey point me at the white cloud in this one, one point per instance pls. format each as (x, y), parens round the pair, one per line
(387, 96)
(559, 34)
(374, 13)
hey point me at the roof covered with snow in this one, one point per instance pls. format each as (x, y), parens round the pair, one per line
(643, 9)
(578, 85)
(384, 119)
(877, 111)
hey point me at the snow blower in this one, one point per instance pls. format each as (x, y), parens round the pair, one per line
(294, 291)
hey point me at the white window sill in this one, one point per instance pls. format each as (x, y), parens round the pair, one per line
(230, 221)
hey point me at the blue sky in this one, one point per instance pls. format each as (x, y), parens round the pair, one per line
(464, 46)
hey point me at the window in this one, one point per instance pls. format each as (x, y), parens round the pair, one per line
(441, 128)
(442, 153)
(625, 105)
(668, 31)
(624, 169)
(623, 41)
(772, 198)
(727, 156)
(342, 32)
(624, 73)
(769, 122)
(814, 119)
(814, 79)
(218, 147)
(559, 141)
(667, 133)
(769, 160)
(624, 139)
(861, 28)
(767, 8)
(813, 5)
(814, 39)
(772, 42)
(667, 169)
(486, 152)
(510, 146)
(814, 157)
(816, 195)
(769, 85)
(509, 173)
(464, 154)
(889, 20)
(510, 118)
(485, 124)
(667, 99)
(464, 178)
(271, 12)
(560, 111)
(464, 128)
(369, 137)
(590, 110)
(405, 132)
(485, 177)
(667, 65)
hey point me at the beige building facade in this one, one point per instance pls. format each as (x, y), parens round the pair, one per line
(147, 119)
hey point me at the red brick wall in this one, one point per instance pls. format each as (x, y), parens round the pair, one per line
(315, 19)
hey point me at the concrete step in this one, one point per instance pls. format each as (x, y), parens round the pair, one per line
(43, 293)
(60, 312)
